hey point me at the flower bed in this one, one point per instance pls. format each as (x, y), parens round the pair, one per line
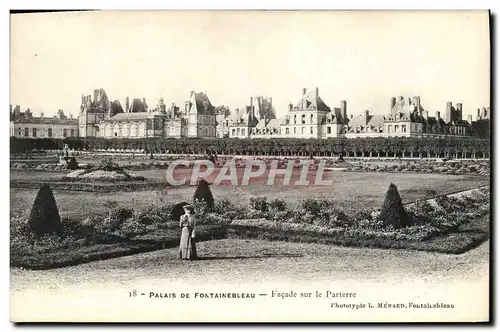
(429, 217)
(425, 166)
(90, 186)
(105, 170)
(312, 220)
(459, 167)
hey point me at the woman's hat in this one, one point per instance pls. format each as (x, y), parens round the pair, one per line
(188, 207)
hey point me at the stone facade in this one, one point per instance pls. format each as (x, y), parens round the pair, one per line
(246, 119)
(408, 118)
(100, 118)
(200, 113)
(310, 117)
(24, 124)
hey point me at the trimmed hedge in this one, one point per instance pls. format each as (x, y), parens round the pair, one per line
(44, 217)
(393, 146)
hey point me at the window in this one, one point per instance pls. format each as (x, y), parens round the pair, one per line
(287, 131)
(403, 128)
(329, 130)
(116, 134)
(34, 132)
(233, 132)
(294, 130)
(302, 130)
(312, 131)
(49, 132)
(312, 118)
(72, 133)
(303, 119)
(295, 119)
(26, 132)
(243, 132)
(19, 131)
(287, 120)
(65, 132)
(396, 128)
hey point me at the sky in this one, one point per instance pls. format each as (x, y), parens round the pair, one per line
(364, 58)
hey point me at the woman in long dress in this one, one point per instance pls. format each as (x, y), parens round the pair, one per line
(187, 223)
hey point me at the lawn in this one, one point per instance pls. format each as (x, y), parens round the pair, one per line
(352, 191)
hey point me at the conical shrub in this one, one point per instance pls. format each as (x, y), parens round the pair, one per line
(44, 217)
(203, 193)
(393, 213)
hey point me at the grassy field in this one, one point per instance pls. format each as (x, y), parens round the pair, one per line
(352, 191)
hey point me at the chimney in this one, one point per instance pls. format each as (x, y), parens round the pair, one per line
(469, 119)
(41, 115)
(416, 102)
(343, 109)
(127, 104)
(478, 113)
(304, 91)
(10, 108)
(251, 101)
(458, 107)
(290, 106)
(70, 115)
(447, 114)
(438, 115)
(367, 116)
(96, 94)
(425, 114)
(317, 91)
(271, 101)
(393, 102)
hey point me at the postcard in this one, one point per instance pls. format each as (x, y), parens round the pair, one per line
(250, 166)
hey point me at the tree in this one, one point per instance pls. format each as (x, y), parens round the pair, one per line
(44, 217)
(203, 193)
(393, 213)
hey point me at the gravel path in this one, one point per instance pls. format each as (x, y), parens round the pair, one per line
(101, 291)
(250, 261)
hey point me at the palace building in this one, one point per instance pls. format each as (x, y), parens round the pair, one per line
(24, 124)
(101, 118)
(311, 117)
